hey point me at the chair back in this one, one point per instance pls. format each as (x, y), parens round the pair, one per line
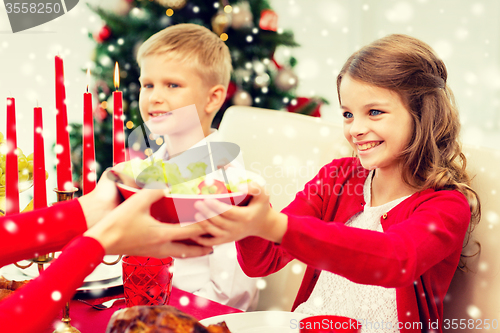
(287, 150)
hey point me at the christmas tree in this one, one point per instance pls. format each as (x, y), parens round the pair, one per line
(249, 28)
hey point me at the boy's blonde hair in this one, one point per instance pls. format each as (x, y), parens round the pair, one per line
(195, 44)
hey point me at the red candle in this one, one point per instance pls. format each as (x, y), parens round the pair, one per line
(89, 174)
(64, 179)
(39, 186)
(11, 171)
(118, 132)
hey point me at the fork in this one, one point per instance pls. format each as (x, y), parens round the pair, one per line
(102, 306)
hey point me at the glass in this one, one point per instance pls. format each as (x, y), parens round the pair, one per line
(147, 281)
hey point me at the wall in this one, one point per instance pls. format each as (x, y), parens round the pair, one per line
(464, 33)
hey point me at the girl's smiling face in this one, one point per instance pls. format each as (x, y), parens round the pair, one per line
(377, 123)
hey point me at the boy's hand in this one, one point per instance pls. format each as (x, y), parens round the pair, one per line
(227, 223)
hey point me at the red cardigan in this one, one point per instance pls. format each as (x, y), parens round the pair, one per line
(417, 253)
(22, 236)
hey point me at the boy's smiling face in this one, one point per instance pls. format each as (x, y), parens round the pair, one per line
(167, 85)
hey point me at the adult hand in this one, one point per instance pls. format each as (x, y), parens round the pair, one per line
(227, 223)
(101, 201)
(130, 229)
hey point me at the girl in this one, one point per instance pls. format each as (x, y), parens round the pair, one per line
(381, 233)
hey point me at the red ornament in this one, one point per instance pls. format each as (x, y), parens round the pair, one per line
(231, 89)
(278, 66)
(103, 34)
(131, 153)
(268, 20)
(100, 114)
(307, 106)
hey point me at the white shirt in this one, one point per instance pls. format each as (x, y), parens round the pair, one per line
(216, 276)
(214, 136)
(374, 306)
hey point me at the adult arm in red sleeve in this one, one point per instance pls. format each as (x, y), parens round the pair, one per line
(32, 307)
(127, 229)
(28, 235)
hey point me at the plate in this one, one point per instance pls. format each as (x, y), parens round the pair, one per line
(13, 272)
(101, 286)
(260, 321)
(102, 273)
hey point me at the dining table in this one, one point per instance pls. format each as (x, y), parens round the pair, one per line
(90, 320)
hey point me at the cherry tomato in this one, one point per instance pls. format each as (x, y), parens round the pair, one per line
(217, 187)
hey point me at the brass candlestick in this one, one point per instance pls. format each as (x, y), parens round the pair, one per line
(66, 326)
(40, 261)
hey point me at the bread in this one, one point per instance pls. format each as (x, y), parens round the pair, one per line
(4, 283)
(158, 319)
(4, 293)
(7, 287)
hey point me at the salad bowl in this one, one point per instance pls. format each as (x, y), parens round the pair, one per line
(179, 208)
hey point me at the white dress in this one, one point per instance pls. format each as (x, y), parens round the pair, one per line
(374, 306)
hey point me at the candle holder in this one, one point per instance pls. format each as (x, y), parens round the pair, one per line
(66, 327)
(40, 261)
(113, 262)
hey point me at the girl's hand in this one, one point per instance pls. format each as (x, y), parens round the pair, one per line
(130, 229)
(227, 223)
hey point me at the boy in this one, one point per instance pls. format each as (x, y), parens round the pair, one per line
(185, 72)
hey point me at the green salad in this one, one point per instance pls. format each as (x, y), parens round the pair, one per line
(194, 180)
